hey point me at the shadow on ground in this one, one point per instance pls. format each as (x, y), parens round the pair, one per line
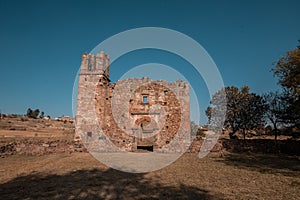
(96, 184)
(265, 163)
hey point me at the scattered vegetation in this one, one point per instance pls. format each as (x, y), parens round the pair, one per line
(35, 114)
(244, 111)
(287, 69)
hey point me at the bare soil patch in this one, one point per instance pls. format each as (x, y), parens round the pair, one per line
(80, 176)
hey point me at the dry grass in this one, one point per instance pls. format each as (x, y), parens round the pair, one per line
(80, 176)
(23, 127)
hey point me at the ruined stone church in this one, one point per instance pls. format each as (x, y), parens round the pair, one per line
(130, 114)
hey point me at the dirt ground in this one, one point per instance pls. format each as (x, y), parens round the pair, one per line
(80, 176)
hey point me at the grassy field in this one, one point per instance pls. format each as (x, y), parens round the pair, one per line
(80, 176)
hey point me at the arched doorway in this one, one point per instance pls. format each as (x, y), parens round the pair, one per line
(144, 142)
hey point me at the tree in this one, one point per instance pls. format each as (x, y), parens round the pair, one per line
(251, 114)
(32, 114)
(244, 110)
(208, 113)
(36, 113)
(275, 109)
(287, 69)
(29, 112)
(194, 128)
(42, 115)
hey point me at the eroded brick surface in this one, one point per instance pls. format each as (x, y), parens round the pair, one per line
(130, 113)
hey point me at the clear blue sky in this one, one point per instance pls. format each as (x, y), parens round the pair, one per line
(41, 43)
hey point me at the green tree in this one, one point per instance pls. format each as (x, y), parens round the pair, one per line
(244, 110)
(287, 69)
(251, 113)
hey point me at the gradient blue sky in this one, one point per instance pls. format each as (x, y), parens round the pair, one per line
(41, 43)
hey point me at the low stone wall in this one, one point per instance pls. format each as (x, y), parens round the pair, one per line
(290, 147)
(33, 147)
(40, 147)
(197, 143)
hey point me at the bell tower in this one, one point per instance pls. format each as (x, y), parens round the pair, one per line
(94, 71)
(95, 65)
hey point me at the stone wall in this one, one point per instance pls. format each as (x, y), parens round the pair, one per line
(130, 113)
(290, 147)
(33, 146)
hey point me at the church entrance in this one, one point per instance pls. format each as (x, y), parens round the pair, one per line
(144, 142)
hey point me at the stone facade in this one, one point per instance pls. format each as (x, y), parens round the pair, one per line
(130, 114)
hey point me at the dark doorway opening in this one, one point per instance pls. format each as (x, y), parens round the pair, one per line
(145, 148)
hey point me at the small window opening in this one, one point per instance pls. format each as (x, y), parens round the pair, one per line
(145, 99)
(89, 134)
